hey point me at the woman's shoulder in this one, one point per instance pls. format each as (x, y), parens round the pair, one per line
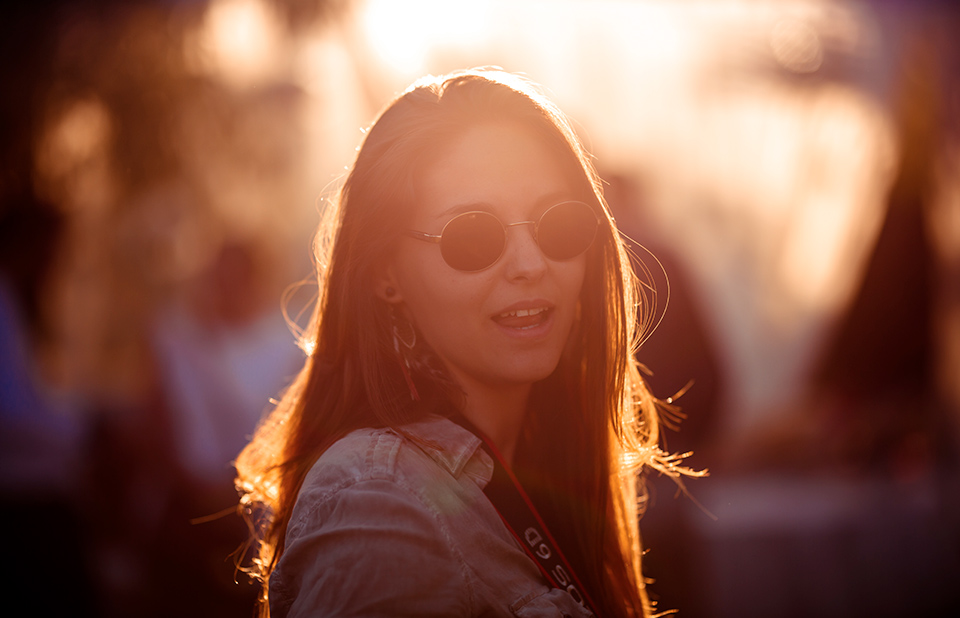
(380, 505)
(371, 531)
(429, 451)
(394, 521)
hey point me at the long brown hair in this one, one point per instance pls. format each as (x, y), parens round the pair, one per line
(594, 409)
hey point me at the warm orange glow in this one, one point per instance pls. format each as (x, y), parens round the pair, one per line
(776, 208)
(403, 34)
(796, 46)
(72, 167)
(239, 41)
(771, 191)
(81, 132)
(849, 147)
(945, 214)
(762, 169)
(182, 154)
(944, 229)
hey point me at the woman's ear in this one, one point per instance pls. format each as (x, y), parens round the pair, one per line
(386, 287)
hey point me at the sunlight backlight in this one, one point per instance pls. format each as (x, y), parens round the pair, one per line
(849, 146)
(239, 41)
(796, 46)
(80, 133)
(403, 34)
(72, 168)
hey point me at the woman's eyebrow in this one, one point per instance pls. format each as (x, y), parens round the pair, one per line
(556, 197)
(458, 209)
(539, 205)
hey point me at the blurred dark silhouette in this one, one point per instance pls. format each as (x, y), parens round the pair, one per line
(877, 377)
(880, 364)
(41, 437)
(859, 487)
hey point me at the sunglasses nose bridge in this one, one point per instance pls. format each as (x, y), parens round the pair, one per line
(507, 226)
(522, 258)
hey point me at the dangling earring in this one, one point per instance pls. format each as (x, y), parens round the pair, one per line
(396, 324)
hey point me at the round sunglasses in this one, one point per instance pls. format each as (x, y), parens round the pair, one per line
(473, 241)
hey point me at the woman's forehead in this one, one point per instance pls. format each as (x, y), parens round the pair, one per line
(493, 166)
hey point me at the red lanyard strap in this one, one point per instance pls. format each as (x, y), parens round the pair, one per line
(525, 524)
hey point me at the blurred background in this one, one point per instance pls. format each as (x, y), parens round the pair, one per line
(793, 165)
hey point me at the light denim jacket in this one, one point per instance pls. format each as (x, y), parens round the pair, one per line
(395, 523)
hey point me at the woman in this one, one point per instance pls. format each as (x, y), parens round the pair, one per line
(476, 317)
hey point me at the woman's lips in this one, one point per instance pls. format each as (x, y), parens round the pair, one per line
(523, 319)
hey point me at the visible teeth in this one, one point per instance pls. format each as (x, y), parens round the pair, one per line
(520, 313)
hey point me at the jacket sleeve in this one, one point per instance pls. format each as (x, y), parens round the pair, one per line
(372, 548)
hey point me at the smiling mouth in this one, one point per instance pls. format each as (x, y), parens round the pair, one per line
(523, 319)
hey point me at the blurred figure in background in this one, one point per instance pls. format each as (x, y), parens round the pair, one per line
(42, 436)
(219, 349)
(144, 251)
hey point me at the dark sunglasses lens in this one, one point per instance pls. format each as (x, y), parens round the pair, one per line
(472, 241)
(566, 230)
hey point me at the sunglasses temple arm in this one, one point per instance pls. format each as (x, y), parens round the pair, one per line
(433, 238)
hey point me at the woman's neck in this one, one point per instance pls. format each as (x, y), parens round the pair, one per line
(498, 412)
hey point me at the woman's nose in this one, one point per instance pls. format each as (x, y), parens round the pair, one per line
(523, 258)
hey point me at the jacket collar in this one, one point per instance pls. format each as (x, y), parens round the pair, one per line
(444, 441)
